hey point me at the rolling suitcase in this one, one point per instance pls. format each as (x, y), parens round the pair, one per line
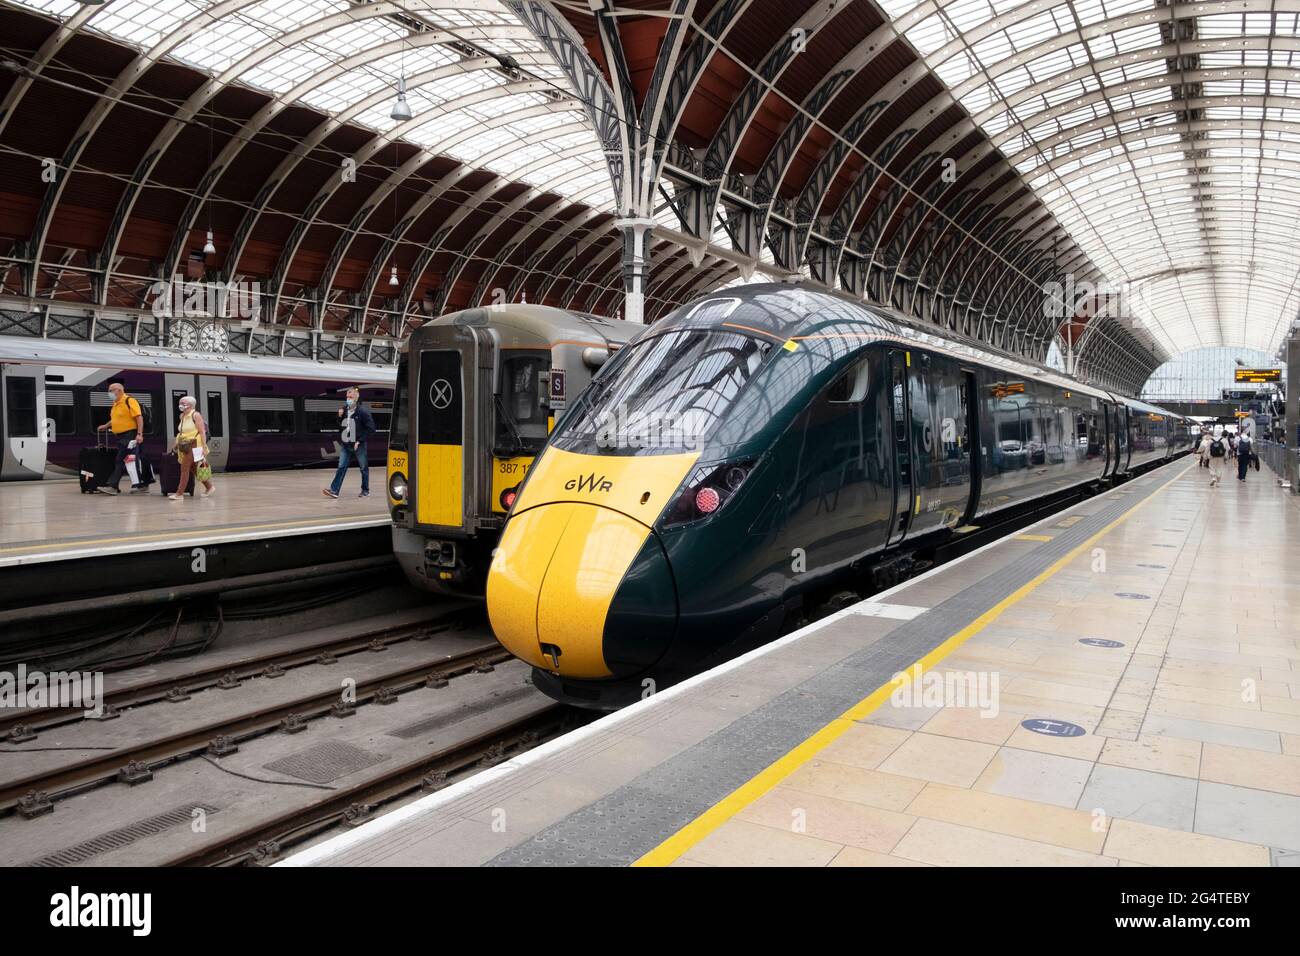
(96, 464)
(138, 468)
(169, 475)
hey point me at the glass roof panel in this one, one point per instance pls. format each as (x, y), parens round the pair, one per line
(344, 58)
(1147, 184)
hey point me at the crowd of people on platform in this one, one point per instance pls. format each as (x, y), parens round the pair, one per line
(1217, 447)
(126, 426)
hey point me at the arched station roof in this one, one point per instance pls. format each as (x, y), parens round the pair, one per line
(971, 162)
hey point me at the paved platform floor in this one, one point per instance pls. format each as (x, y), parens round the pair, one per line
(1131, 669)
(52, 520)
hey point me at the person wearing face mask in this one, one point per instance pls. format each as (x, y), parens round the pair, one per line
(356, 424)
(126, 420)
(192, 449)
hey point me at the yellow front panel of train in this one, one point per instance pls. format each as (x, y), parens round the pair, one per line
(639, 486)
(439, 496)
(518, 570)
(507, 473)
(553, 579)
(396, 463)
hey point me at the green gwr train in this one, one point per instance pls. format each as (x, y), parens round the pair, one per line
(755, 449)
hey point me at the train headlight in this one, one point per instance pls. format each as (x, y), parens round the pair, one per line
(707, 491)
(397, 486)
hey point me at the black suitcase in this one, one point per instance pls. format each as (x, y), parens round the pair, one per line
(169, 475)
(96, 464)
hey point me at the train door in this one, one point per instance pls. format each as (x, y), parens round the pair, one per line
(940, 443)
(438, 400)
(175, 387)
(901, 413)
(1112, 442)
(975, 460)
(1123, 447)
(22, 422)
(214, 405)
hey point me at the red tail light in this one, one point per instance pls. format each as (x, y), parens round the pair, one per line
(707, 500)
(508, 497)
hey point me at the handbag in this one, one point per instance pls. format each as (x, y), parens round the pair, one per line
(204, 472)
(185, 445)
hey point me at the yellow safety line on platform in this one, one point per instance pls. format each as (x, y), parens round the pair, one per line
(726, 808)
(191, 533)
(1033, 537)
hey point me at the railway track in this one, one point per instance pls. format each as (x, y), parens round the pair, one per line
(248, 706)
(29, 794)
(264, 842)
(257, 663)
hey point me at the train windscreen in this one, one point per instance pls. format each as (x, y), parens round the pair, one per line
(667, 395)
(401, 411)
(520, 414)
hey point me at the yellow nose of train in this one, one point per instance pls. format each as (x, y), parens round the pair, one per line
(580, 585)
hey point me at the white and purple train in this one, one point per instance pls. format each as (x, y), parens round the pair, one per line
(263, 412)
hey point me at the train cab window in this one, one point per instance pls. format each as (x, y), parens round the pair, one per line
(61, 408)
(521, 416)
(401, 413)
(20, 406)
(851, 387)
(671, 392)
(264, 415)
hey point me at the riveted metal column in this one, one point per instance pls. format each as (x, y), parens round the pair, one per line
(637, 236)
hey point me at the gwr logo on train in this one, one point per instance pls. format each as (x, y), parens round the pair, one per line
(588, 483)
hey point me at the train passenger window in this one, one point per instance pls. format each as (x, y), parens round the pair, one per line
(382, 413)
(20, 403)
(851, 386)
(264, 415)
(60, 408)
(154, 421)
(320, 415)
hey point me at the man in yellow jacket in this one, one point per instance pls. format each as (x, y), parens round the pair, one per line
(127, 423)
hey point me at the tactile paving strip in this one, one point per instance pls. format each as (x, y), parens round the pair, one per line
(630, 821)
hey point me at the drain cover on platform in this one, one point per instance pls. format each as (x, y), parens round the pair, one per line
(325, 762)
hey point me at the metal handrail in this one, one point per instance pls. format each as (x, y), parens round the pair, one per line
(1274, 456)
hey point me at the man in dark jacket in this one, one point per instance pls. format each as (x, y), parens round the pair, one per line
(1245, 456)
(356, 424)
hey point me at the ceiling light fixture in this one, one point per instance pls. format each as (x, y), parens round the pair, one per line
(401, 109)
